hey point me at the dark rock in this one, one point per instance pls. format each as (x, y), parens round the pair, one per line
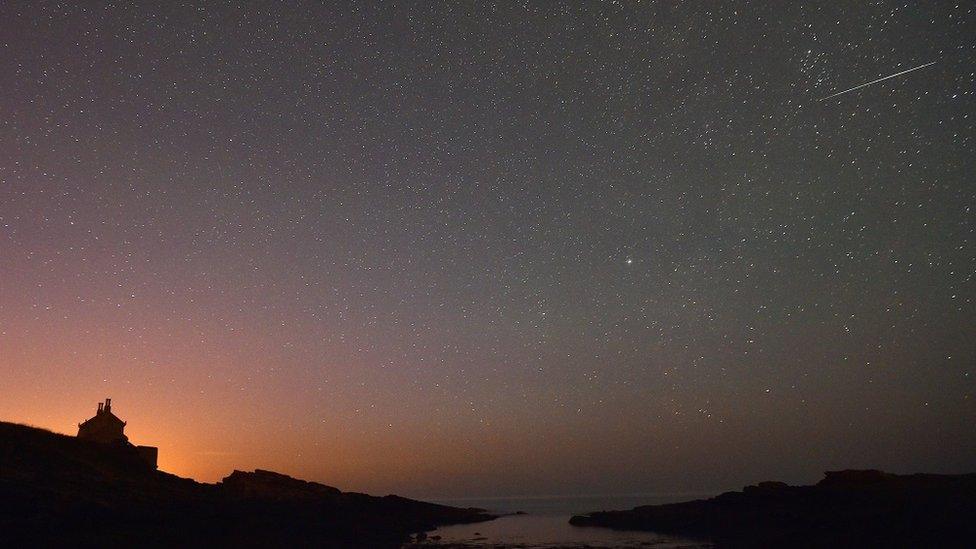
(97, 495)
(853, 477)
(263, 484)
(845, 509)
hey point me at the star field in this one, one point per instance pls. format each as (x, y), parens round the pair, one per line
(495, 248)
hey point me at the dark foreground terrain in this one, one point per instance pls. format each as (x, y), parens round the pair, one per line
(845, 509)
(56, 490)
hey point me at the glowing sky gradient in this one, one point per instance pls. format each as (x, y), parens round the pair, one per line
(448, 249)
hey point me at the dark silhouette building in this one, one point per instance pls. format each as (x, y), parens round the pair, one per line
(107, 428)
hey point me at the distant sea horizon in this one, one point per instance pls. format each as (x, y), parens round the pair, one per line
(546, 522)
(568, 503)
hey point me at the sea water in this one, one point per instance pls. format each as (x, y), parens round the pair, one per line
(546, 523)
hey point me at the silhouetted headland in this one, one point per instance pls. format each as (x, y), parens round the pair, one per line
(853, 508)
(57, 490)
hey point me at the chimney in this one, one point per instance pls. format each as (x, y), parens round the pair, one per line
(99, 407)
(108, 405)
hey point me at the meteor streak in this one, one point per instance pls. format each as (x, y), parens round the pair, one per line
(878, 80)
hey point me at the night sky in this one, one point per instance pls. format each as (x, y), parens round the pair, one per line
(447, 249)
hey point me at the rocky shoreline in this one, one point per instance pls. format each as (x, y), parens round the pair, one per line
(853, 508)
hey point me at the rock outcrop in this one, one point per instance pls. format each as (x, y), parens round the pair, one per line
(269, 485)
(855, 508)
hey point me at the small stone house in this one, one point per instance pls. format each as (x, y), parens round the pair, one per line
(107, 428)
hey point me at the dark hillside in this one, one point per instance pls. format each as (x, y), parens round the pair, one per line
(59, 490)
(854, 508)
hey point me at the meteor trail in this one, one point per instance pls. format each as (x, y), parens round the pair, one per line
(876, 81)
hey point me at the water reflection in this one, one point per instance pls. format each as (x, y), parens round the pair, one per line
(546, 524)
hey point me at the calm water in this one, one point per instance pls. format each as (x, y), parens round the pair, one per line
(547, 523)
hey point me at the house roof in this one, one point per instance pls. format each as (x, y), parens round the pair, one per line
(104, 417)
